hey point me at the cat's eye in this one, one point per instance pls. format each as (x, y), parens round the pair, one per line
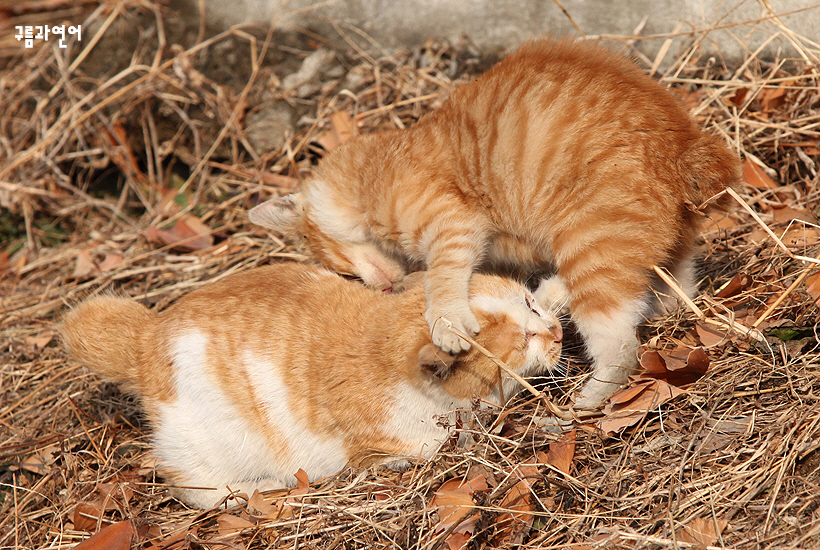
(531, 305)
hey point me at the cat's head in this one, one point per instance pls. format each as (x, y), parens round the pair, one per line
(333, 235)
(514, 328)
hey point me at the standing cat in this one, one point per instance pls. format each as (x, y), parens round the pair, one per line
(562, 157)
(251, 378)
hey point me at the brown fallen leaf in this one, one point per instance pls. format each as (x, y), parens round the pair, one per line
(85, 266)
(110, 262)
(513, 526)
(113, 495)
(294, 496)
(756, 177)
(259, 507)
(41, 461)
(785, 214)
(86, 516)
(629, 406)
(188, 233)
(679, 367)
(228, 524)
(562, 452)
(701, 531)
(710, 336)
(455, 505)
(739, 283)
(342, 128)
(812, 283)
(40, 340)
(117, 536)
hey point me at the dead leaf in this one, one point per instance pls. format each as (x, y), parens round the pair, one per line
(302, 481)
(85, 266)
(188, 233)
(20, 259)
(110, 262)
(41, 461)
(562, 452)
(785, 214)
(259, 507)
(679, 367)
(4, 260)
(455, 505)
(117, 536)
(294, 496)
(40, 340)
(513, 526)
(739, 283)
(813, 287)
(800, 236)
(772, 99)
(645, 395)
(113, 495)
(86, 516)
(701, 531)
(342, 128)
(228, 524)
(172, 541)
(710, 336)
(756, 177)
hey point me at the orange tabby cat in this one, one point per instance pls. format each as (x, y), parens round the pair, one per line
(247, 380)
(563, 157)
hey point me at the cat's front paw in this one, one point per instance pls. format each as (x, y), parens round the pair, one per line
(444, 338)
(552, 295)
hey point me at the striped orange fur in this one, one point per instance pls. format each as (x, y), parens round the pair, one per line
(562, 157)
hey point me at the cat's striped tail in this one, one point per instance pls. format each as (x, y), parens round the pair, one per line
(105, 333)
(710, 167)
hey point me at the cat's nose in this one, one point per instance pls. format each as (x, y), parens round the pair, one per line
(557, 333)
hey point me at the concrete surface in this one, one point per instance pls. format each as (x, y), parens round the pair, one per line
(498, 25)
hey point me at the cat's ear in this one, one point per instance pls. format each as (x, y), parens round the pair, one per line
(282, 214)
(435, 361)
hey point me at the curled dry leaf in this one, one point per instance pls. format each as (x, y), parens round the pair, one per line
(678, 367)
(455, 504)
(228, 524)
(117, 536)
(40, 340)
(710, 336)
(756, 177)
(813, 287)
(188, 233)
(342, 128)
(110, 262)
(739, 283)
(561, 452)
(85, 266)
(701, 531)
(629, 406)
(294, 496)
(86, 516)
(513, 525)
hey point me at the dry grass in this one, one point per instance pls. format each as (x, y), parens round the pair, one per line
(92, 162)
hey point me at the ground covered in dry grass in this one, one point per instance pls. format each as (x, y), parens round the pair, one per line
(134, 172)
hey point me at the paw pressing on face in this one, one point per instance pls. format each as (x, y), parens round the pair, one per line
(462, 319)
(553, 295)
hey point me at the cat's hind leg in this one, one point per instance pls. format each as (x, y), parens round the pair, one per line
(612, 343)
(666, 300)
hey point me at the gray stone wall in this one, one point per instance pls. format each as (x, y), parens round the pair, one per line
(497, 25)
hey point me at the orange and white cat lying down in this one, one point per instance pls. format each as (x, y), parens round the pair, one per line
(246, 380)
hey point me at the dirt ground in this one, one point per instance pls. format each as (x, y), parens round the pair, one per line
(129, 164)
